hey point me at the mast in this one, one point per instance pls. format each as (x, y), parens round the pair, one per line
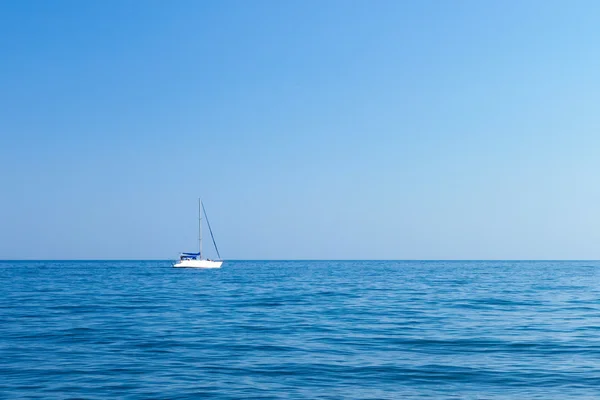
(200, 225)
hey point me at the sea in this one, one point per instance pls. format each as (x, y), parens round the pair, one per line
(300, 330)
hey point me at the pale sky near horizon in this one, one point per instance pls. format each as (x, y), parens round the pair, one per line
(312, 129)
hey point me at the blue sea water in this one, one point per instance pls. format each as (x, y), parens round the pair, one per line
(300, 330)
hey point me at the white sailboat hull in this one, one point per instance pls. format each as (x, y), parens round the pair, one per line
(198, 264)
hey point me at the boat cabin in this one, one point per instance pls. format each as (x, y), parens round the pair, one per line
(189, 256)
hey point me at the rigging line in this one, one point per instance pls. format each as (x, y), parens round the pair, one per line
(211, 232)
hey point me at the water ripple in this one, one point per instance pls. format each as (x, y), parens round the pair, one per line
(302, 330)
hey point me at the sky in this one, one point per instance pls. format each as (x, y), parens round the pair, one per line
(332, 129)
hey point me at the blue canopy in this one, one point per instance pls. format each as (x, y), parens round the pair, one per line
(190, 254)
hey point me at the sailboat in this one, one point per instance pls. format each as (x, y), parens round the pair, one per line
(195, 260)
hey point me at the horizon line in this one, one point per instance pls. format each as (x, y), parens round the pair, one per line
(305, 259)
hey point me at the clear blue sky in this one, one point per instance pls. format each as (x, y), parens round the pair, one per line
(312, 129)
